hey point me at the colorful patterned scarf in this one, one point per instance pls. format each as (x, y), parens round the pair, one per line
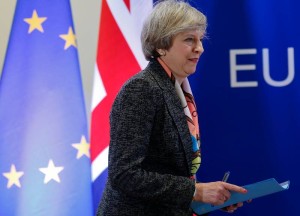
(188, 104)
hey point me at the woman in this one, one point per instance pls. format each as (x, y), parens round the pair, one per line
(154, 148)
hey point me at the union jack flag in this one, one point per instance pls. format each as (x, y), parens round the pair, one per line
(119, 57)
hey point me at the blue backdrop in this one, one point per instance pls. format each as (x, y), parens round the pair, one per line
(248, 98)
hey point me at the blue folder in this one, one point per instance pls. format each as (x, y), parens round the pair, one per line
(255, 190)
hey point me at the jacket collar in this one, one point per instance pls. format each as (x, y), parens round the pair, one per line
(174, 106)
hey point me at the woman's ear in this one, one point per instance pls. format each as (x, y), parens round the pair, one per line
(161, 52)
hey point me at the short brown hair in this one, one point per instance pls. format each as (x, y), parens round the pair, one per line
(167, 19)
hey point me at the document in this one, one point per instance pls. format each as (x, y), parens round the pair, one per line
(255, 190)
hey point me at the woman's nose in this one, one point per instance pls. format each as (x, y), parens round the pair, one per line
(199, 47)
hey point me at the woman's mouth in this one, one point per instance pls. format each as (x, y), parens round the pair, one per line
(194, 60)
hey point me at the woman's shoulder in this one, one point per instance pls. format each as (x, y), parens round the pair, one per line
(152, 77)
(140, 90)
(142, 81)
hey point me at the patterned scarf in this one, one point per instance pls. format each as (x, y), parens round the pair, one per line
(188, 104)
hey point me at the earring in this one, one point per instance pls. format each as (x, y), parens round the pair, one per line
(162, 53)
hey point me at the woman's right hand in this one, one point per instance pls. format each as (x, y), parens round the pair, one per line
(215, 193)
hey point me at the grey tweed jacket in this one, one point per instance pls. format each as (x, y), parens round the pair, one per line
(150, 154)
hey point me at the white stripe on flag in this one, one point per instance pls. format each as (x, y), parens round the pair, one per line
(132, 28)
(100, 164)
(98, 89)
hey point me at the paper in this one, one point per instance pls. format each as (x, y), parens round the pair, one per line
(255, 190)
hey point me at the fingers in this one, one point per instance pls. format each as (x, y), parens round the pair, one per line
(234, 207)
(239, 204)
(216, 193)
(222, 199)
(224, 194)
(231, 208)
(235, 188)
(221, 194)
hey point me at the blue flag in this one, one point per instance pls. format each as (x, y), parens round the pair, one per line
(44, 149)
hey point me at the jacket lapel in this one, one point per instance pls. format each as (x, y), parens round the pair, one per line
(174, 106)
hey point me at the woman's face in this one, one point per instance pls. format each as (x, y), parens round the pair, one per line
(183, 56)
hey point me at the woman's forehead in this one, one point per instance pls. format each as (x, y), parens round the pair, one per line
(193, 32)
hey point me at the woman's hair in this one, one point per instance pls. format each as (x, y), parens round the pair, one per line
(167, 19)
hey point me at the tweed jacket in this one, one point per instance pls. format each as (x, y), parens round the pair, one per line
(150, 153)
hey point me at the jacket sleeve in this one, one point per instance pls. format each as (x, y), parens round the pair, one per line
(131, 124)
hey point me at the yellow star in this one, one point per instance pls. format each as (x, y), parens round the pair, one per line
(13, 177)
(51, 172)
(35, 22)
(83, 148)
(70, 38)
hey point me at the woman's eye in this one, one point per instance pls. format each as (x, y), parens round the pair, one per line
(189, 39)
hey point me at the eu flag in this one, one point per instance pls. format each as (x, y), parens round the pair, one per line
(44, 149)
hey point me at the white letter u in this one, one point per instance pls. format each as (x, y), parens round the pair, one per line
(291, 69)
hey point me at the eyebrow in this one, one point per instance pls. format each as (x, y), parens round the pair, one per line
(188, 35)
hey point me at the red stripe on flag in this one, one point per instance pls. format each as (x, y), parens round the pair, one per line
(127, 2)
(116, 64)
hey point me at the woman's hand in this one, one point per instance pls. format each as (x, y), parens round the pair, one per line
(216, 193)
(232, 208)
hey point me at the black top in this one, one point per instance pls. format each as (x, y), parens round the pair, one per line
(150, 150)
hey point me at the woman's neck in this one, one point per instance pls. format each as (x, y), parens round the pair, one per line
(169, 71)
